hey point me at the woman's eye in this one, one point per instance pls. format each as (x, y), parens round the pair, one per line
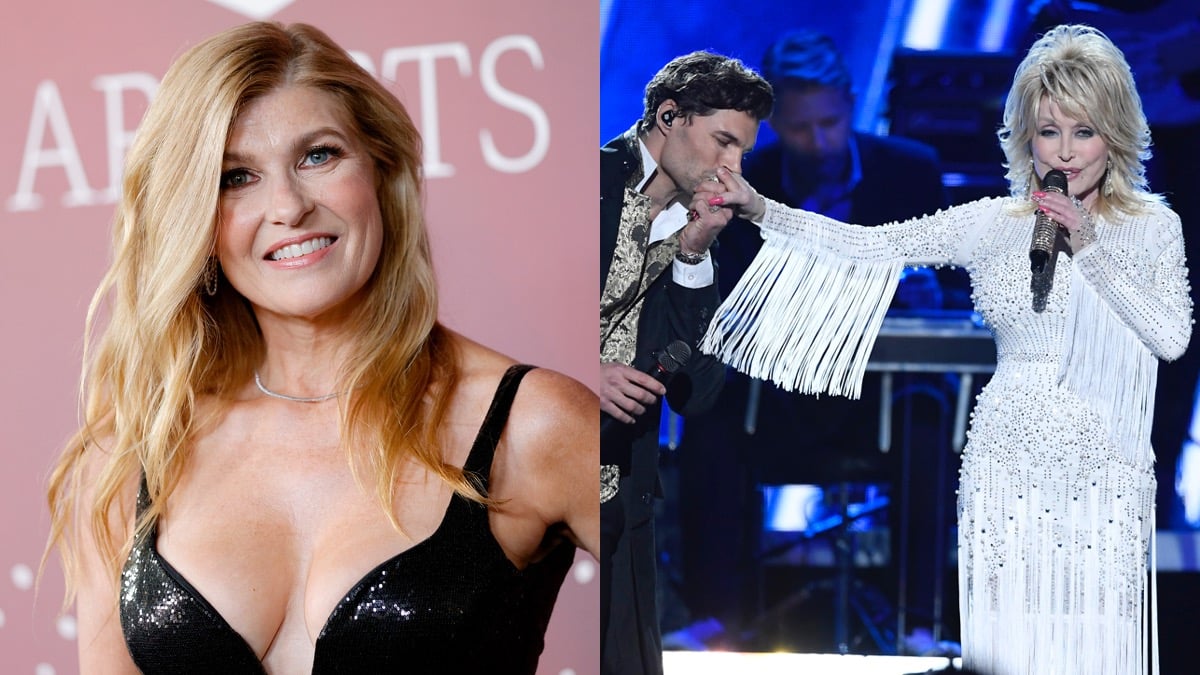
(1047, 133)
(1086, 133)
(235, 178)
(320, 155)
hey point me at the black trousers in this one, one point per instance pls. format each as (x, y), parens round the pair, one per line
(630, 639)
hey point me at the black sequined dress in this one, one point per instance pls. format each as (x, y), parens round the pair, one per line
(453, 603)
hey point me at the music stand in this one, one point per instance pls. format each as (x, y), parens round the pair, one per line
(950, 342)
(947, 342)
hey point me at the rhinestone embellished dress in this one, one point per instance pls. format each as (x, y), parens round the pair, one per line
(1056, 494)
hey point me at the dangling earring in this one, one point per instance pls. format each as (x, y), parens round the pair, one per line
(1108, 182)
(209, 279)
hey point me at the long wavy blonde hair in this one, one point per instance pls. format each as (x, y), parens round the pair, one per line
(1082, 71)
(166, 343)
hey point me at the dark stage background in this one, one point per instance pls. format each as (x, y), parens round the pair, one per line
(936, 71)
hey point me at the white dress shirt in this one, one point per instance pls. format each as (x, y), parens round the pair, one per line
(669, 220)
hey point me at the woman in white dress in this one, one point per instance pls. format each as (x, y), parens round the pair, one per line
(1056, 498)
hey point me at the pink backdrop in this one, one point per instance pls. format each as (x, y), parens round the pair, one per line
(506, 97)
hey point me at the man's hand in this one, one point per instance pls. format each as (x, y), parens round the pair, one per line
(626, 391)
(705, 222)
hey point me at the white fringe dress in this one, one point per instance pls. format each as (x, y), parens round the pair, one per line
(1056, 493)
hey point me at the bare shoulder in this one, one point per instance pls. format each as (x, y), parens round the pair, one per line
(551, 410)
(547, 463)
(552, 405)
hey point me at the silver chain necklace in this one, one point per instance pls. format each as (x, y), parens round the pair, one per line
(296, 399)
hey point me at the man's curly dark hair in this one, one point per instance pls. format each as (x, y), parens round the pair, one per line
(702, 83)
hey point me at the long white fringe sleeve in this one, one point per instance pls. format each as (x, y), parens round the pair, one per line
(806, 313)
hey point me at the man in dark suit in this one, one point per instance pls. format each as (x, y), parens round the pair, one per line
(820, 164)
(658, 283)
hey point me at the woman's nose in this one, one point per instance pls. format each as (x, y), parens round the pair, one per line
(289, 202)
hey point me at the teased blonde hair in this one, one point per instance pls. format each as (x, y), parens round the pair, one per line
(1082, 71)
(166, 343)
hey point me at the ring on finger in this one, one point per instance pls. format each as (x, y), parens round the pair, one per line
(713, 209)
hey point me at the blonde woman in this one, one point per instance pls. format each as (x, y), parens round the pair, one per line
(1056, 501)
(287, 465)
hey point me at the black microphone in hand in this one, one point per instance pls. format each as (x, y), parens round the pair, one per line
(663, 367)
(1045, 229)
